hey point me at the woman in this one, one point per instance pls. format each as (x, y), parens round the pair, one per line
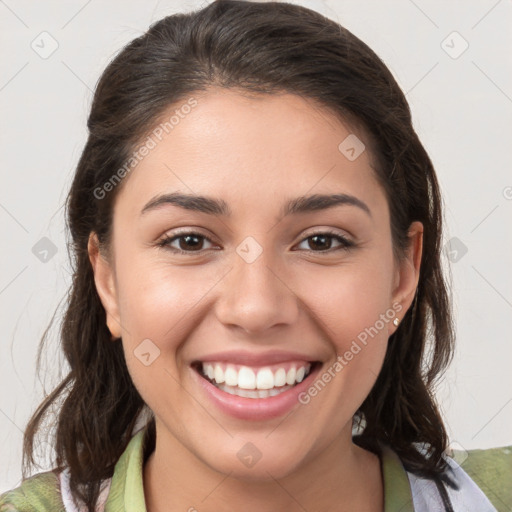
(256, 230)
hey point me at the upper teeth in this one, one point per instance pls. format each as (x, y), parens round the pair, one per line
(248, 378)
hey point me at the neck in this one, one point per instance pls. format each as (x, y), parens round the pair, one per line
(342, 477)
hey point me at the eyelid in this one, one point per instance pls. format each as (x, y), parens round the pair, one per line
(165, 241)
(326, 231)
(346, 243)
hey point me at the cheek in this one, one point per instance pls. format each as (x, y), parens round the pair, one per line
(351, 304)
(349, 299)
(156, 300)
(157, 306)
(352, 310)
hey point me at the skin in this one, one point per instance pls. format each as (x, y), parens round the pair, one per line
(254, 153)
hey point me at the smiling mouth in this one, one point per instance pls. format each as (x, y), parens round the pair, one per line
(252, 382)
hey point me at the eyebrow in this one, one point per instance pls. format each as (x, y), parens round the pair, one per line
(219, 207)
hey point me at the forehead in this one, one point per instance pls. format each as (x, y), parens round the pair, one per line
(256, 147)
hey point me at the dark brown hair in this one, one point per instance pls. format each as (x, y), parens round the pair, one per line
(257, 48)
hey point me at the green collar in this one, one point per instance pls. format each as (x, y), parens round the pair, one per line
(126, 488)
(397, 491)
(127, 491)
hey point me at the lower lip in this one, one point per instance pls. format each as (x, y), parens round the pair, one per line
(255, 409)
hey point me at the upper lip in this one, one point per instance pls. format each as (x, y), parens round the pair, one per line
(247, 358)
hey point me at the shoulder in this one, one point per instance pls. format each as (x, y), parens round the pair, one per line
(491, 470)
(39, 493)
(49, 491)
(458, 489)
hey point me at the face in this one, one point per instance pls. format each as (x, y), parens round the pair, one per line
(290, 311)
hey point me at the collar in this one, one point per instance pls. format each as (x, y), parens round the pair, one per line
(127, 489)
(397, 490)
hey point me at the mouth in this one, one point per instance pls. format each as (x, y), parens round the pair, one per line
(260, 382)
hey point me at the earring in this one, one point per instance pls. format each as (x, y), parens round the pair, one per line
(396, 321)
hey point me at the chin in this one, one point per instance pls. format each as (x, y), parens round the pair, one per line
(251, 464)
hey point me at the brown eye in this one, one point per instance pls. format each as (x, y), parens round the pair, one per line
(190, 241)
(186, 243)
(322, 242)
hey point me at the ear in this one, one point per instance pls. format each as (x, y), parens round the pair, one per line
(105, 284)
(407, 273)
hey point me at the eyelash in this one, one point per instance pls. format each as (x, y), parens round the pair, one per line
(167, 240)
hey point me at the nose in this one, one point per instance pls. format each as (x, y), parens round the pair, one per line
(256, 296)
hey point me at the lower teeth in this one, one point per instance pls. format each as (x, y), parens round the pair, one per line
(251, 393)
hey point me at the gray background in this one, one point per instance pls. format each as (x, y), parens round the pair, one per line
(462, 109)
